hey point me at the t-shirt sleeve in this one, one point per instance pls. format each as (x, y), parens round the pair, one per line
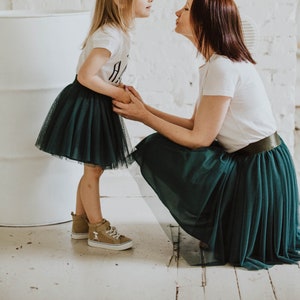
(107, 38)
(221, 79)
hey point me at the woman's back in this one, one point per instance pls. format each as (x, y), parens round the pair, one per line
(250, 116)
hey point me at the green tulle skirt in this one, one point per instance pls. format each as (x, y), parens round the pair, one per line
(243, 208)
(82, 126)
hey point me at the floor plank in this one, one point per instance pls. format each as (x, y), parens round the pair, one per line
(190, 281)
(286, 281)
(221, 283)
(254, 285)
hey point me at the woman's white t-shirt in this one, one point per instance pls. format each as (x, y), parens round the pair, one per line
(117, 43)
(249, 117)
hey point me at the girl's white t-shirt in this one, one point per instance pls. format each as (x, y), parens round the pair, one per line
(117, 43)
(249, 117)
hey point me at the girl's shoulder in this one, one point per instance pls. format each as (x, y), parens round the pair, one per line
(108, 30)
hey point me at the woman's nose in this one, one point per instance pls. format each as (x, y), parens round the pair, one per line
(178, 13)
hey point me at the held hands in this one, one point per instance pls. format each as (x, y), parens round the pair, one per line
(135, 110)
(123, 96)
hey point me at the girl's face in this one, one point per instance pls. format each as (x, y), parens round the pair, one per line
(142, 8)
(183, 25)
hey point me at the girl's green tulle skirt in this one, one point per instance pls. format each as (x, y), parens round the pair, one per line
(82, 126)
(244, 208)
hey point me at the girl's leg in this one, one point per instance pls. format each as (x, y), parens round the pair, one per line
(79, 207)
(88, 196)
(100, 233)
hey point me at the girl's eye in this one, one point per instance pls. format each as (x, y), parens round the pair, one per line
(186, 9)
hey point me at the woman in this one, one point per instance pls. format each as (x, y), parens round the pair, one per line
(225, 175)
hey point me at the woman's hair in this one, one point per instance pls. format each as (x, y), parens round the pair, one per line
(217, 26)
(118, 13)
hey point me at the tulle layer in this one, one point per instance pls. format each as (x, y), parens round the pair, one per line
(244, 208)
(82, 126)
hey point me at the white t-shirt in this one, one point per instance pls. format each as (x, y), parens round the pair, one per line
(249, 117)
(118, 43)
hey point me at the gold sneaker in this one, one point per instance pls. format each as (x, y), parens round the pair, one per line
(102, 235)
(80, 227)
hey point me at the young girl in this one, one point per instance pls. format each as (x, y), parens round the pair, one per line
(224, 174)
(81, 124)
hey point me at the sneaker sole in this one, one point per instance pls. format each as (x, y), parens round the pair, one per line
(79, 236)
(124, 246)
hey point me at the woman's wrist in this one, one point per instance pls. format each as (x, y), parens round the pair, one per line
(147, 117)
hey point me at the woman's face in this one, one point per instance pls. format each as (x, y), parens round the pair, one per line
(142, 8)
(183, 25)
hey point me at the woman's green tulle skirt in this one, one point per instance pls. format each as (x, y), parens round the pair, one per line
(82, 126)
(244, 208)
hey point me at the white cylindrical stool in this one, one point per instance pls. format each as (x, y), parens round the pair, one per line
(38, 57)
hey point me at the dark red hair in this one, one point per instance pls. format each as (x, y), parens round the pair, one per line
(217, 26)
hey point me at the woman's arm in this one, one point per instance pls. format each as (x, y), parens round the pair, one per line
(208, 119)
(183, 122)
(87, 76)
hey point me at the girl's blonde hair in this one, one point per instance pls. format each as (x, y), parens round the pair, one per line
(118, 13)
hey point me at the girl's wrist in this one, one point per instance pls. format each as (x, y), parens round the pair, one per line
(118, 93)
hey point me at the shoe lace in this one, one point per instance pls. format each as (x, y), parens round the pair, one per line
(112, 231)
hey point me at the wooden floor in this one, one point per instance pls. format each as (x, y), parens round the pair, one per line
(44, 263)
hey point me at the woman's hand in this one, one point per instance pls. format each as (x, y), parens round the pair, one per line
(135, 110)
(134, 92)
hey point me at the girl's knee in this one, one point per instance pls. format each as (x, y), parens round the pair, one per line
(94, 171)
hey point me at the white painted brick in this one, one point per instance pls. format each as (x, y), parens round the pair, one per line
(5, 4)
(297, 118)
(286, 77)
(46, 5)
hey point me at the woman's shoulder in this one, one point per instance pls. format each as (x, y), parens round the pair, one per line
(223, 64)
(220, 64)
(220, 61)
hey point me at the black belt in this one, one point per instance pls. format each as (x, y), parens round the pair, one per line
(265, 144)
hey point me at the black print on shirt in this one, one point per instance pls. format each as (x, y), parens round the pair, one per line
(116, 75)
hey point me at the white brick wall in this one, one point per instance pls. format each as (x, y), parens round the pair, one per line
(162, 61)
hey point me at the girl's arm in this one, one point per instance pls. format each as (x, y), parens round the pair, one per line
(208, 119)
(87, 76)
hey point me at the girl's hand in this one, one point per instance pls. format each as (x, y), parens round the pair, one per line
(123, 96)
(135, 110)
(128, 89)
